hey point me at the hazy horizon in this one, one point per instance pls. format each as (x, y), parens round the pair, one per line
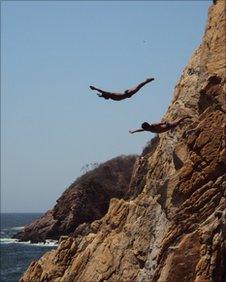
(51, 123)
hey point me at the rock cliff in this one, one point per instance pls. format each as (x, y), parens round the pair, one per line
(172, 227)
(84, 201)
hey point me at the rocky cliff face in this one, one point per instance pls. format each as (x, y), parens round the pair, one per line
(84, 201)
(173, 226)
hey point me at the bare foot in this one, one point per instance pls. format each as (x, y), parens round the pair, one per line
(150, 79)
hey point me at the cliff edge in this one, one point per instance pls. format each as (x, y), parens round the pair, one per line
(173, 226)
(86, 200)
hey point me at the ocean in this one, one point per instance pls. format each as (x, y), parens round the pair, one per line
(16, 256)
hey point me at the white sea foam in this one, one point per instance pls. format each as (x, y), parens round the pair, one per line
(17, 228)
(8, 241)
(13, 228)
(48, 243)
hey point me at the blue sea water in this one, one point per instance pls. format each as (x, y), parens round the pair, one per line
(16, 256)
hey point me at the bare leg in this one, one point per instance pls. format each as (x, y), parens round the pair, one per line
(138, 87)
(176, 123)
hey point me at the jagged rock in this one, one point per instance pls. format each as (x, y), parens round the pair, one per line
(84, 201)
(173, 228)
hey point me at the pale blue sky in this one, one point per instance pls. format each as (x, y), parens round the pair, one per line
(51, 123)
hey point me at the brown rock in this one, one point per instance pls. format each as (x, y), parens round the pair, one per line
(174, 227)
(86, 200)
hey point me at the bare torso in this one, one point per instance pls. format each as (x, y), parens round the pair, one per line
(160, 127)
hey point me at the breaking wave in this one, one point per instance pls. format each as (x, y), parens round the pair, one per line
(48, 243)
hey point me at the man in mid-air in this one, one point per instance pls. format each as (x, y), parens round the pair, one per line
(159, 127)
(117, 96)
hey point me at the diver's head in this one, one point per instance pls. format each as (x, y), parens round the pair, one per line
(145, 126)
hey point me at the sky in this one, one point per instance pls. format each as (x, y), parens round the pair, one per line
(52, 124)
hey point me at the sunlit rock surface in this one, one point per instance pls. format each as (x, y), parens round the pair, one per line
(172, 227)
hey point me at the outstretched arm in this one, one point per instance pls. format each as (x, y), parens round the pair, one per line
(98, 89)
(105, 93)
(137, 130)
